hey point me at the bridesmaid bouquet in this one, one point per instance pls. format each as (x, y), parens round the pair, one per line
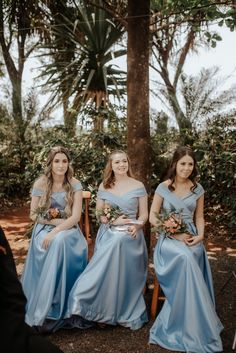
(50, 213)
(111, 213)
(170, 223)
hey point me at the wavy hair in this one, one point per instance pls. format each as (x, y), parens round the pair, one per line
(108, 175)
(45, 199)
(179, 153)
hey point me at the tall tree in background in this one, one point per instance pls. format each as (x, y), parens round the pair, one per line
(18, 19)
(177, 28)
(138, 134)
(80, 53)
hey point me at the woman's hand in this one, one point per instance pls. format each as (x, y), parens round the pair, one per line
(47, 240)
(193, 240)
(133, 230)
(103, 219)
(181, 236)
(57, 221)
(121, 220)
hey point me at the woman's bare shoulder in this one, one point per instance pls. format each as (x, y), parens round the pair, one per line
(166, 182)
(74, 181)
(101, 187)
(136, 183)
(40, 183)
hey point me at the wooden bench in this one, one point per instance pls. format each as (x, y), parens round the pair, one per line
(84, 220)
(156, 297)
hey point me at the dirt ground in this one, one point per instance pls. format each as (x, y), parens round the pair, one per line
(221, 249)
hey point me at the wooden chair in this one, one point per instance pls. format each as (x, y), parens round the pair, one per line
(156, 297)
(84, 220)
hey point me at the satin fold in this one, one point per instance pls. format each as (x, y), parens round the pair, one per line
(50, 274)
(110, 290)
(187, 321)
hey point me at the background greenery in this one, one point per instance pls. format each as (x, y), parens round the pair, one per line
(215, 148)
(75, 42)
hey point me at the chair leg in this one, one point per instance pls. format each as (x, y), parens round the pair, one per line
(155, 296)
(86, 222)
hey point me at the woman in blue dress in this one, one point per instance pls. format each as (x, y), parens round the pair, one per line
(110, 290)
(187, 321)
(58, 250)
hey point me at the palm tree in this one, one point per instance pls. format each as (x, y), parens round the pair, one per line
(85, 41)
(177, 28)
(204, 99)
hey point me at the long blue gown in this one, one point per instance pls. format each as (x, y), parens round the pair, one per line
(187, 321)
(110, 290)
(50, 274)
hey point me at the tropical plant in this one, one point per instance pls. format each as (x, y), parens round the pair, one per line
(85, 75)
(216, 152)
(203, 98)
(178, 27)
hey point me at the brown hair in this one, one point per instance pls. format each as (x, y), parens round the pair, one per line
(179, 153)
(108, 175)
(45, 200)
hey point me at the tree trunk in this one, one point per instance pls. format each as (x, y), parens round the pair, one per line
(138, 89)
(70, 118)
(15, 76)
(17, 108)
(138, 135)
(183, 122)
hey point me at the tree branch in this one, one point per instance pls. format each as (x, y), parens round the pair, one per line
(159, 14)
(183, 55)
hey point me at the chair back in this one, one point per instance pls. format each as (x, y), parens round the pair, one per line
(84, 222)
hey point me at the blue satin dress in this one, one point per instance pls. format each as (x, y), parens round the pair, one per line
(50, 274)
(187, 321)
(110, 290)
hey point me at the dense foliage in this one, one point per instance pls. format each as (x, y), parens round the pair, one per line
(215, 149)
(80, 69)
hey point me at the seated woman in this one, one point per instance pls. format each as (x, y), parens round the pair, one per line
(188, 321)
(58, 250)
(110, 290)
(16, 335)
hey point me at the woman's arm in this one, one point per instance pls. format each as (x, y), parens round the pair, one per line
(200, 223)
(155, 209)
(99, 207)
(143, 209)
(33, 206)
(142, 216)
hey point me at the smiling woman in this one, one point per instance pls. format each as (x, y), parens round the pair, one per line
(188, 321)
(120, 258)
(58, 250)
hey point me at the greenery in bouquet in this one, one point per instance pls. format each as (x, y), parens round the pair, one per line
(170, 223)
(111, 213)
(50, 213)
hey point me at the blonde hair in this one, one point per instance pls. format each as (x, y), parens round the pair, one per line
(108, 175)
(45, 199)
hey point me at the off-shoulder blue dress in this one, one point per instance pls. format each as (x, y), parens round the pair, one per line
(187, 321)
(49, 275)
(110, 290)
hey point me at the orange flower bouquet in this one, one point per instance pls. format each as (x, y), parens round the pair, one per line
(111, 213)
(170, 223)
(50, 213)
